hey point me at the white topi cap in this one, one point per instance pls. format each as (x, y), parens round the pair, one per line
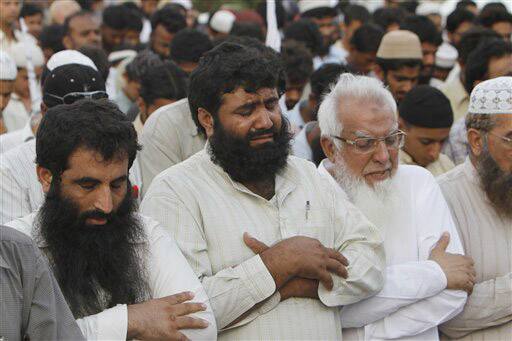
(69, 57)
(493, 96)
(222, 21)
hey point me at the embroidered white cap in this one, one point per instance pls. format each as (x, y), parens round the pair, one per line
(8, 69)
(493, 96)
(446, 56)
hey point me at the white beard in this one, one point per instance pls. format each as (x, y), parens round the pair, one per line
(377, 203)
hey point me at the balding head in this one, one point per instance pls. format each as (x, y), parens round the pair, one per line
(60, 10)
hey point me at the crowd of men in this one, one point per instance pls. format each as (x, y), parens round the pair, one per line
(170, 174)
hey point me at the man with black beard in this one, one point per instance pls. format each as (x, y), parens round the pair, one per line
(121, 274)
(479, 193)
(243, 184)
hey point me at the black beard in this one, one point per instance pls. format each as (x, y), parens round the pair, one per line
(97, 267)
(496, 184)
(245, 163)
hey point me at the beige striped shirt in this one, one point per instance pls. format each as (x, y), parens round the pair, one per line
(487, 238)
(208, 213)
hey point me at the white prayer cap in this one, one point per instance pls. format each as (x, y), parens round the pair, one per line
(117, 56)
(493, 96)
(446, 56)
(428, 7)
(20, 50)
(222, 21)
(8, 69)
(69, 57)
(185, 3)
(308, 5)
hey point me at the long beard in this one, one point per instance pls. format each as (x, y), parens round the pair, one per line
(97, 267)
(496, 183)
(245, 163)
(375, 202)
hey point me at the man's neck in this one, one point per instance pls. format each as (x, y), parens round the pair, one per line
(7, 29)
(264, 188)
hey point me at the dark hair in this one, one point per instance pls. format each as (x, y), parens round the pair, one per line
(477, 66)
(491, 16)
(320, 12)
(132, 17)
(166, 80)
(97, 125)
(457, 18)
(227, 67)
(464, 4)
(170, 18)
(28, 10)
(261, 8)
(424, 29)
(141, 63)
(367, 38)
(326, 75)
(51, 38)
(247, 29)
(307, 32)
(497, 5)
(82, 13)
(385, 16)
(298, 61)
(355, 12)
(113, 17)
(409, 5)
(99, 58)
(189, 45)
(396, 64)
(471, 39)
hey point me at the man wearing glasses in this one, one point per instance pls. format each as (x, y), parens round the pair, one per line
(427, 277)
(479, 193)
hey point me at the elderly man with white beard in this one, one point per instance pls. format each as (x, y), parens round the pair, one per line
(427, 275)
(479, 194)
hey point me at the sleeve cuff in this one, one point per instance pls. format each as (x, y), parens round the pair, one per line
(258, 279)
(436, 268)
(113, 323)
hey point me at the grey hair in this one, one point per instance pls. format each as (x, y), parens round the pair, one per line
(354, 87)
(481, 122)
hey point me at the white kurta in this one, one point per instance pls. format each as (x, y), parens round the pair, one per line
(414, 300)
(208, 213)
(487, 238)
(169, 274)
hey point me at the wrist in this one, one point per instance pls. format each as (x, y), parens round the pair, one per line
(134, 328)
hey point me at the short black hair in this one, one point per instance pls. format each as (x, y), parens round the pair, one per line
(261, 8)
(496, 5)
(367, 38)
(307, 32)
(386, 16)
(247, 29)
(325, 76)
(28, 10)
(471, 39)
(227, 67)
(409, 5)
(489, 17)
(96, 125)
(51, 38)
(166, 80)
(457, 18)
(82, 13)
(170, 18)
(189, 45)
(355, 12)
(464, 4)
(477, 66)
(133, 17)
(320, 13)
(113, 17)
(396, 64)
(298, 61)
(141, 63)
(424, 29)
(99, 58)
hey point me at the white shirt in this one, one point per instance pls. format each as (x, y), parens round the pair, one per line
(15, 115)
(13, 139)
(335, 55)
(169, 274)
(414, 300)
(20, 190)
(207, 213)
(301, 147)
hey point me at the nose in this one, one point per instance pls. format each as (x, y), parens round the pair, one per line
(104, 201)
(381, 153)
(434, 150)
(407, 86)
(428, 59)
(263, 120)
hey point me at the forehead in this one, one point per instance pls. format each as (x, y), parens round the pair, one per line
(6, 86)
(240, 96)
(83, 23)
(503, 121)
(162, 32)
(406, 71)
(500, 66)
(366, 117)
(430, 133)
(89, 163)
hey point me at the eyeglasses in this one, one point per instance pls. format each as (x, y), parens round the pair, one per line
(364, 145)
(72, 97)
(508, 140)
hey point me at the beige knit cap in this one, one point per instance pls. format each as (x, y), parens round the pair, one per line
(400, 45)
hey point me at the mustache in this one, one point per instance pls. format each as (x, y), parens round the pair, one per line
(261, 132)
(96, 214)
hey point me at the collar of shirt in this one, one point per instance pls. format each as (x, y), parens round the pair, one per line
(285, 182)
(471, 171)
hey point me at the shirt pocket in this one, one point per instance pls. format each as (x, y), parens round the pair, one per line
(313, 222)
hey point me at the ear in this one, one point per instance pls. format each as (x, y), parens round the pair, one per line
(66, 41)
(206, 121)
(45, 178)
(312, 101)
(476, 141)
(43, 108)
(141, 105)
(378, 71)
(328, 147)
